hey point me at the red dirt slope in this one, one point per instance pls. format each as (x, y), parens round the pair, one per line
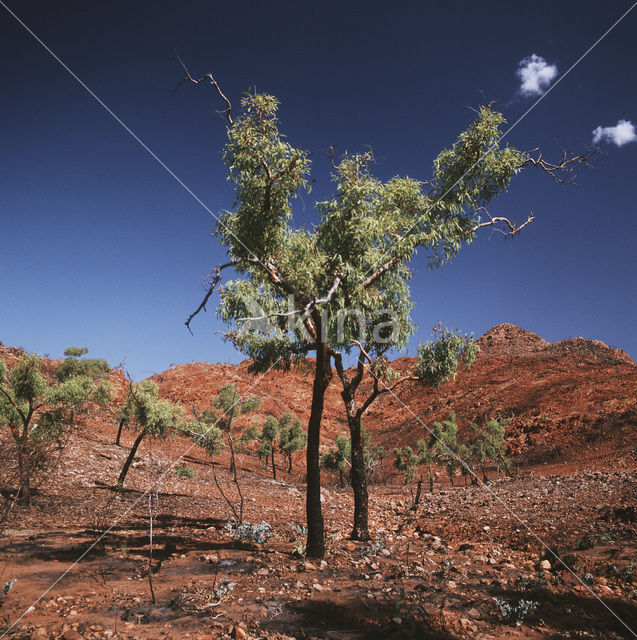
(562, 397)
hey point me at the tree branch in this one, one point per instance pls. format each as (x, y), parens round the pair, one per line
(215, 276)
(382, 270)
(514, 228)
(562, 171)
(207, 78)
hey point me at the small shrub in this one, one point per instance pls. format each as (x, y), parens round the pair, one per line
(515, 613)
(299, 544)
(5, 590)
(185, 471)
(373, 548)
(259, 533)
(224, 588)
(589, 578)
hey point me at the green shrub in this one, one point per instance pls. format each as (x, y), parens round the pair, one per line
(185, 471)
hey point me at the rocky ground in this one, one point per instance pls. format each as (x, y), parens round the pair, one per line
(549, 553)
(474, 562)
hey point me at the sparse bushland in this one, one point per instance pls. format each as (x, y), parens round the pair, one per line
(338, 457)
(215, 423)
(39, 413)
(441, 448)
(284, 434)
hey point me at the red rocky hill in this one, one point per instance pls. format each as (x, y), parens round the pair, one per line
(562, 398)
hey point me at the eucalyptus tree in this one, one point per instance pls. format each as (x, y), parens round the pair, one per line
(337, 458)
(491, 445)
(292, 438)
(305, 282)
(267, 437)
(149, 415)
(37, 411)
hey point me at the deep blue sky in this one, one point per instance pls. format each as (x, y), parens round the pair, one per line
(101, 247)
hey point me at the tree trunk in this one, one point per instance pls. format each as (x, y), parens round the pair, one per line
(273, 465)
(119, 432)
(360, 531)
(24, 488)
(289, 463)
(418, 492)
(129, 460)
(315, 547)
(340, 473)
(431, 479)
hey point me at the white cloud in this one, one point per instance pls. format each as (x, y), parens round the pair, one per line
(535, 75)
(622, 133)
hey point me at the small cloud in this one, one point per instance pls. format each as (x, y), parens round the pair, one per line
(622, 133)
(535, 75)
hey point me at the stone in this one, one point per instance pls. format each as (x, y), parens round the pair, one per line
(239, 633)
(545, 565)
(71, 634)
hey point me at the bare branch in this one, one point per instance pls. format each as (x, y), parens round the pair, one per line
(562, 171)
(215, 276)
(206, 78)
(514, 228)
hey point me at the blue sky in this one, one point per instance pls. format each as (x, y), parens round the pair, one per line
(102, 247)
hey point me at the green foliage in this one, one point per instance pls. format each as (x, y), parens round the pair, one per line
(292, 437)
(337, 458)
(286, 429)
(228, 404)
(407, 461)
(367, 223)
(438, 360)
(205, 433)
(491, 445)
(74, 365)
(185, 471)
(372, 453)
(150, 413)
(444, 444)
(75, 352)
(37, 411)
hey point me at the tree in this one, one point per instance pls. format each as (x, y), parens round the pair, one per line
(444, 441)
(208, 436)
(304, 283)
(292, 438)
(75, 365)
(407, 460)
(337, 458)
(491, 445)
(150, 416)
(37, 411)
(268, 437)
(438, 360)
